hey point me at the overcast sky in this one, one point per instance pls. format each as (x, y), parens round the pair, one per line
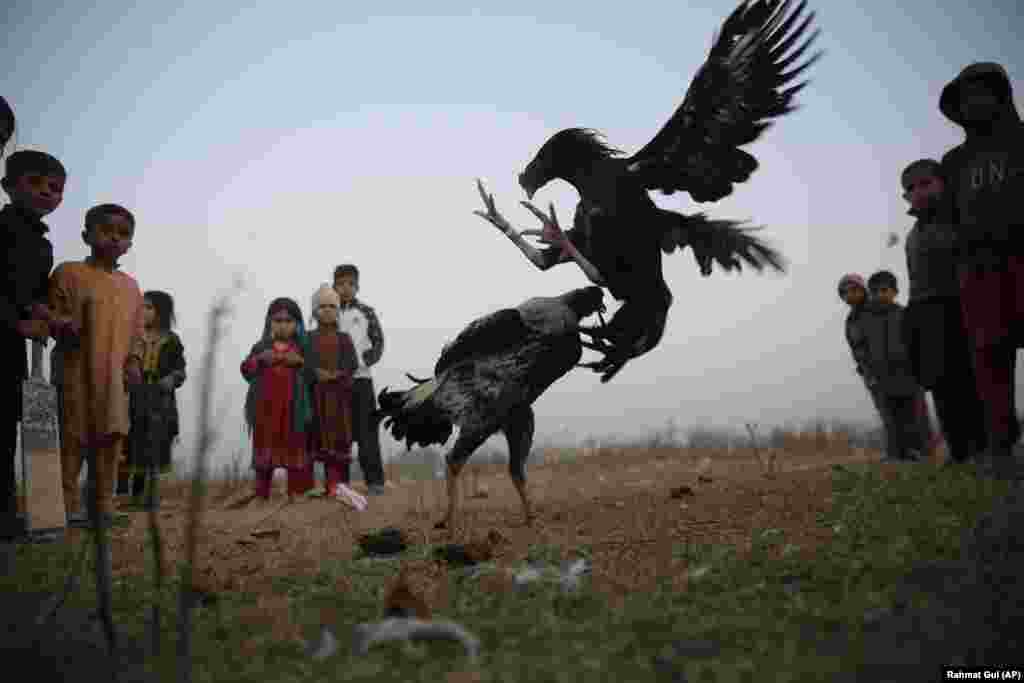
(275, 144)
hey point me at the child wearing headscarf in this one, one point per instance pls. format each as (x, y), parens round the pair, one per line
(277, 406)
(330, 365)
(154, 408)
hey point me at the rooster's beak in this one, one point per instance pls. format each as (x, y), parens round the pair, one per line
(529, 189)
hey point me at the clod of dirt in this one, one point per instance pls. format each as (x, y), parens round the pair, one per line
(681, 491)
(704, 479)
(466, 555)
(388, 541)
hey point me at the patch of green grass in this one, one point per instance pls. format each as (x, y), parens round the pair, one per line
(759, 607)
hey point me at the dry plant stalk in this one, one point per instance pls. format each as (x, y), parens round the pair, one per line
(204, 443)
(769, 465)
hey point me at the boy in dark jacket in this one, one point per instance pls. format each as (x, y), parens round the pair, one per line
(853, 290)
(986, 176)
(34, 181)
(889, 367)
(934, 328)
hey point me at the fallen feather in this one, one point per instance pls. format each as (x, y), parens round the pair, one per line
(571, 573)
(568, 576)
(367, 635)
(323, 649)
(349, 497)
(698, 572)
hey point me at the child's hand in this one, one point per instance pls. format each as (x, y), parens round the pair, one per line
(266, 357)
(293, 359)
(132, 373)
(65, 327)
(322, 375)
(38, 330)
(41, 312)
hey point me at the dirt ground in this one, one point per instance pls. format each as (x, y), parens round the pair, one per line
(629, 506)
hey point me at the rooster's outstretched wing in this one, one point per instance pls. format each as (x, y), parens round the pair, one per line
(729, 103)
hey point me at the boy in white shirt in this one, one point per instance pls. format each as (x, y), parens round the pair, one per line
(360, 322)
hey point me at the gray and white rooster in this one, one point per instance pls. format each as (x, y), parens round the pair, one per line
(486, 381)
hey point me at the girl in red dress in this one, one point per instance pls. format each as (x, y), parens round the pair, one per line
(330, 362)
(277, 406)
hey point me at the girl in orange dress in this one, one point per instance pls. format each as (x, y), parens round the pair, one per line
(277, 407)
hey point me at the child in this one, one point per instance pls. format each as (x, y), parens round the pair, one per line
(935, 336)
(100, 359)
(889, 369)
(360, 322)
(986, 177)
(330, 364)
(277, 406)
(34, 181)
(163, 365)
(853, 290)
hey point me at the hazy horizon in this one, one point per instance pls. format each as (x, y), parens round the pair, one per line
(274, 145)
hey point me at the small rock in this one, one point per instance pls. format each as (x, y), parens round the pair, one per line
(791, 584)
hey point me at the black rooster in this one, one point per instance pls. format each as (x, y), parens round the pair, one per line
(486, 381)
(618, 232)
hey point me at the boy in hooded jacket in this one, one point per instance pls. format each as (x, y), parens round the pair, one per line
(933, 321)
(986, 177)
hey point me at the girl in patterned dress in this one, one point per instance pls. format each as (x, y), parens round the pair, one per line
(277, 406)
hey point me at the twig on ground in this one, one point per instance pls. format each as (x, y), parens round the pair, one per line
(766, 460)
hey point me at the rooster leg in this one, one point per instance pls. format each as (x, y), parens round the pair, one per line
(552, 233)
(519, 434)
(597, 346)
(464, 447)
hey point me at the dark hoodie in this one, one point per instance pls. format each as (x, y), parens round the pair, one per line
(882, 351)
(986, 171)
(931, 249)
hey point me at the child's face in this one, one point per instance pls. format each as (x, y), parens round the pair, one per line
(41, 194)
(326, 314)
(923, 191)
(978, 102)
(149, 317)
(112, 238)
(346, 286)
(885, 295)
(282, 326)
(854, 295)
(6, 131)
